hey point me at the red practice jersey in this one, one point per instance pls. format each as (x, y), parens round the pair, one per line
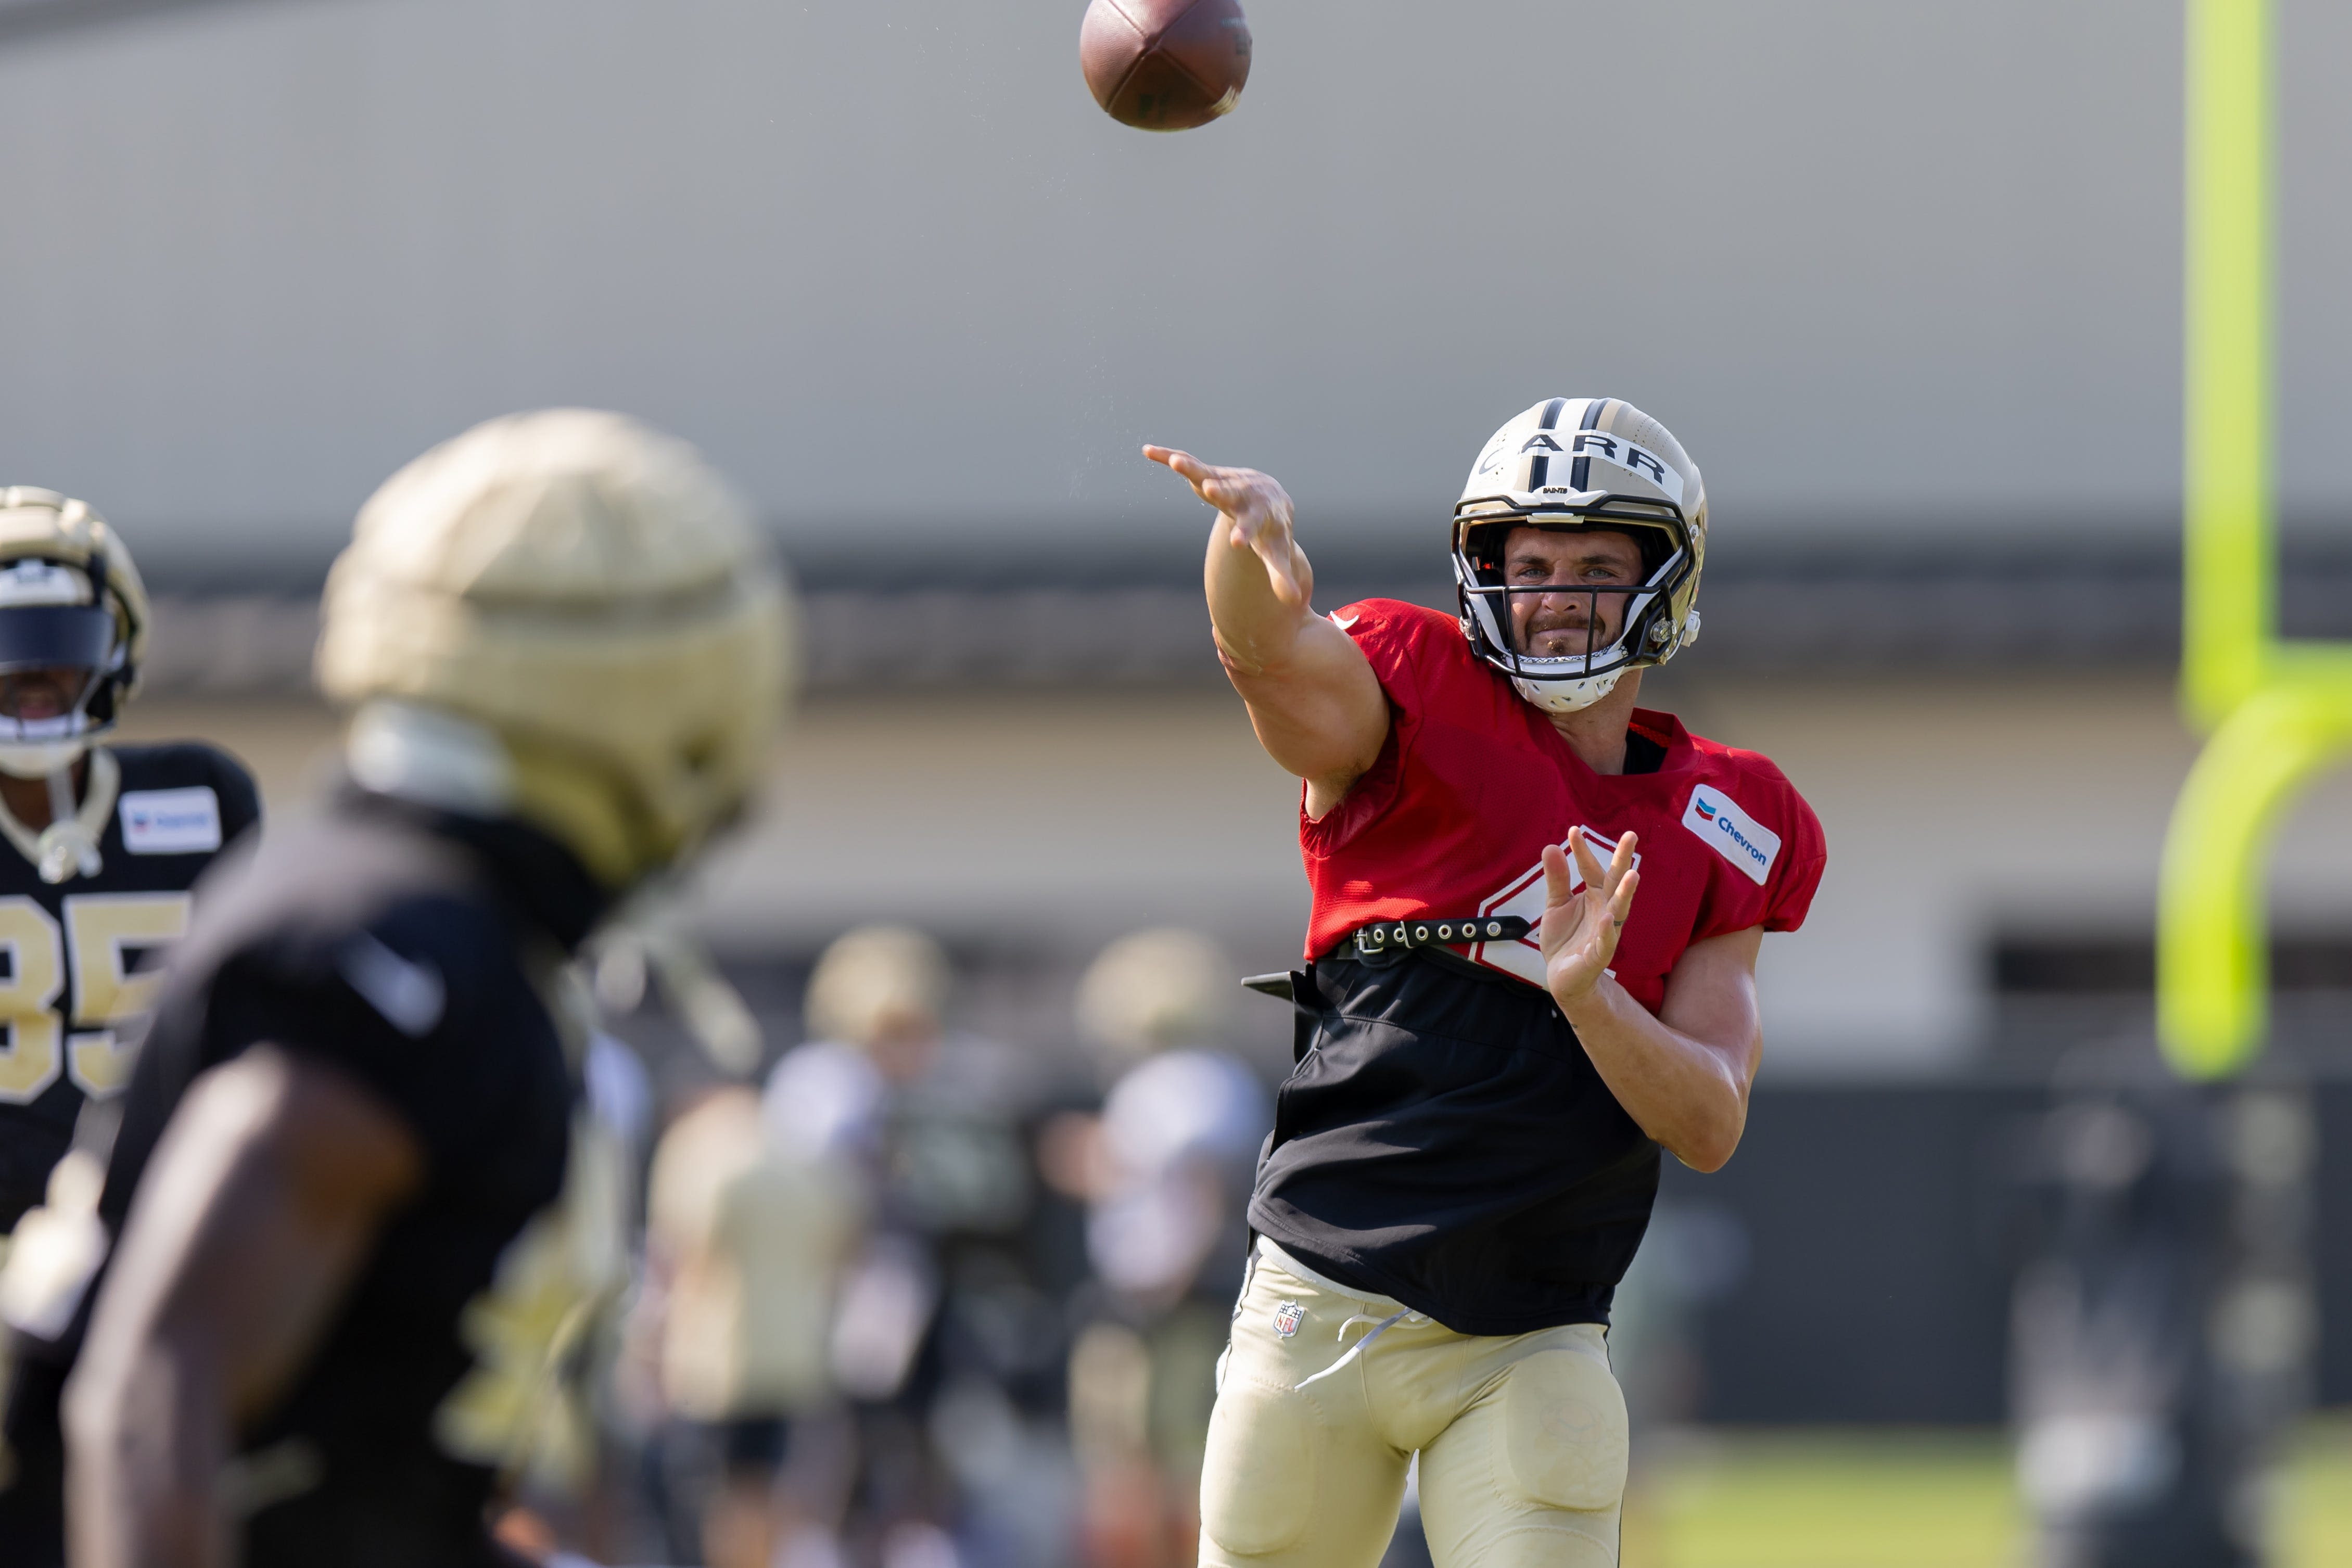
(1473, 781)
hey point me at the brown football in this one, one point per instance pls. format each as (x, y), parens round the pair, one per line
(1165, 64)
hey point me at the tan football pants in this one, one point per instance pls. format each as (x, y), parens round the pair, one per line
(1522, 1439)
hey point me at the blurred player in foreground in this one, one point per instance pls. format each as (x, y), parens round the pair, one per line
(340, 1268)
(104, 843)
(1464, 1161)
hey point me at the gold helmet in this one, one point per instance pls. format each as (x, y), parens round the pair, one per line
(876, 981)
(569, 618)
(72, 608)
(1580, 464)
(1151, 990)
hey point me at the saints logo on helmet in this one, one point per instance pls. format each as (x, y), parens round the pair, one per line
(566, 618)
(1582, 466)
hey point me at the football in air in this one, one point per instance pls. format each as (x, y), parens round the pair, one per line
(1165, 64)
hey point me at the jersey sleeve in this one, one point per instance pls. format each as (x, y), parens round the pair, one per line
(1392, 637)
(402, 1004)
(1734, 902)
(1799, 875)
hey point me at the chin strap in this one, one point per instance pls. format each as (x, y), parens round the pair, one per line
(68, 847)
(1570, 695)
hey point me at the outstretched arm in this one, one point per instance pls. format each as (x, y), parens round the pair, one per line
(260, 1204)
(1318, 707)
(1683, 1075)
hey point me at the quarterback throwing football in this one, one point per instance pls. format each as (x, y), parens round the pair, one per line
(1531, 966)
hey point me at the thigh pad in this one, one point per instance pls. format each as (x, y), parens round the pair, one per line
(1257, 1477)
(1563, 1432)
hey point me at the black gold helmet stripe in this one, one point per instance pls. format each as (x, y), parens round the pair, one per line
(1580, 476)
(1540, 468)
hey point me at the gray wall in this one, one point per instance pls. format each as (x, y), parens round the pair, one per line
(1878, 264)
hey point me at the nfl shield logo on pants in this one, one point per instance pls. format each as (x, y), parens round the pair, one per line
(1288, 1317)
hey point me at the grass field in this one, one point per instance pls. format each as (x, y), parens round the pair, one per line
(1908, 1500)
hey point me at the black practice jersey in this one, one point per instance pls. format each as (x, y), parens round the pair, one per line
(411, 951)
(1445, 1141)
(70, 1003)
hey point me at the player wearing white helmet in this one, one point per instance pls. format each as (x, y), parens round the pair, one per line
(1495, 1038)
(356, 1223)
(103, 842)
(1597, 484)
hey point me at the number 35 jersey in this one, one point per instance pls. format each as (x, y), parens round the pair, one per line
(75, 996)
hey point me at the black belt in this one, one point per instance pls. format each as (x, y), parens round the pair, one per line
(1444, 931)
(1404, 936)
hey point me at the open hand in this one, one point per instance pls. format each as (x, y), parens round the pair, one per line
(1581, 928)
(1257, 513)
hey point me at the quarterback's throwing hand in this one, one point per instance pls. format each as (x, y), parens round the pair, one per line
(1581, 927)
(1257, 513)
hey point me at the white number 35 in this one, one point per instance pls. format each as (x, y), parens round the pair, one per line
(103, 936)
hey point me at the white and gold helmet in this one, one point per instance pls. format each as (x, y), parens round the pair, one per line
(568, 618)
(71, 606)
(1577, 465)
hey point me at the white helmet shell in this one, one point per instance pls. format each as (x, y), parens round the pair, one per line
(1578, 463)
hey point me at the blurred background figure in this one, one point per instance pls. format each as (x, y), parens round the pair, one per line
(1693, 1254)
(2163, 1319)
(941, 1342)
(100, 845)
(743, 1249)
(1164, 1170)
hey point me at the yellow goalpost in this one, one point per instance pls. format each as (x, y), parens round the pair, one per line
(2277, 712)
